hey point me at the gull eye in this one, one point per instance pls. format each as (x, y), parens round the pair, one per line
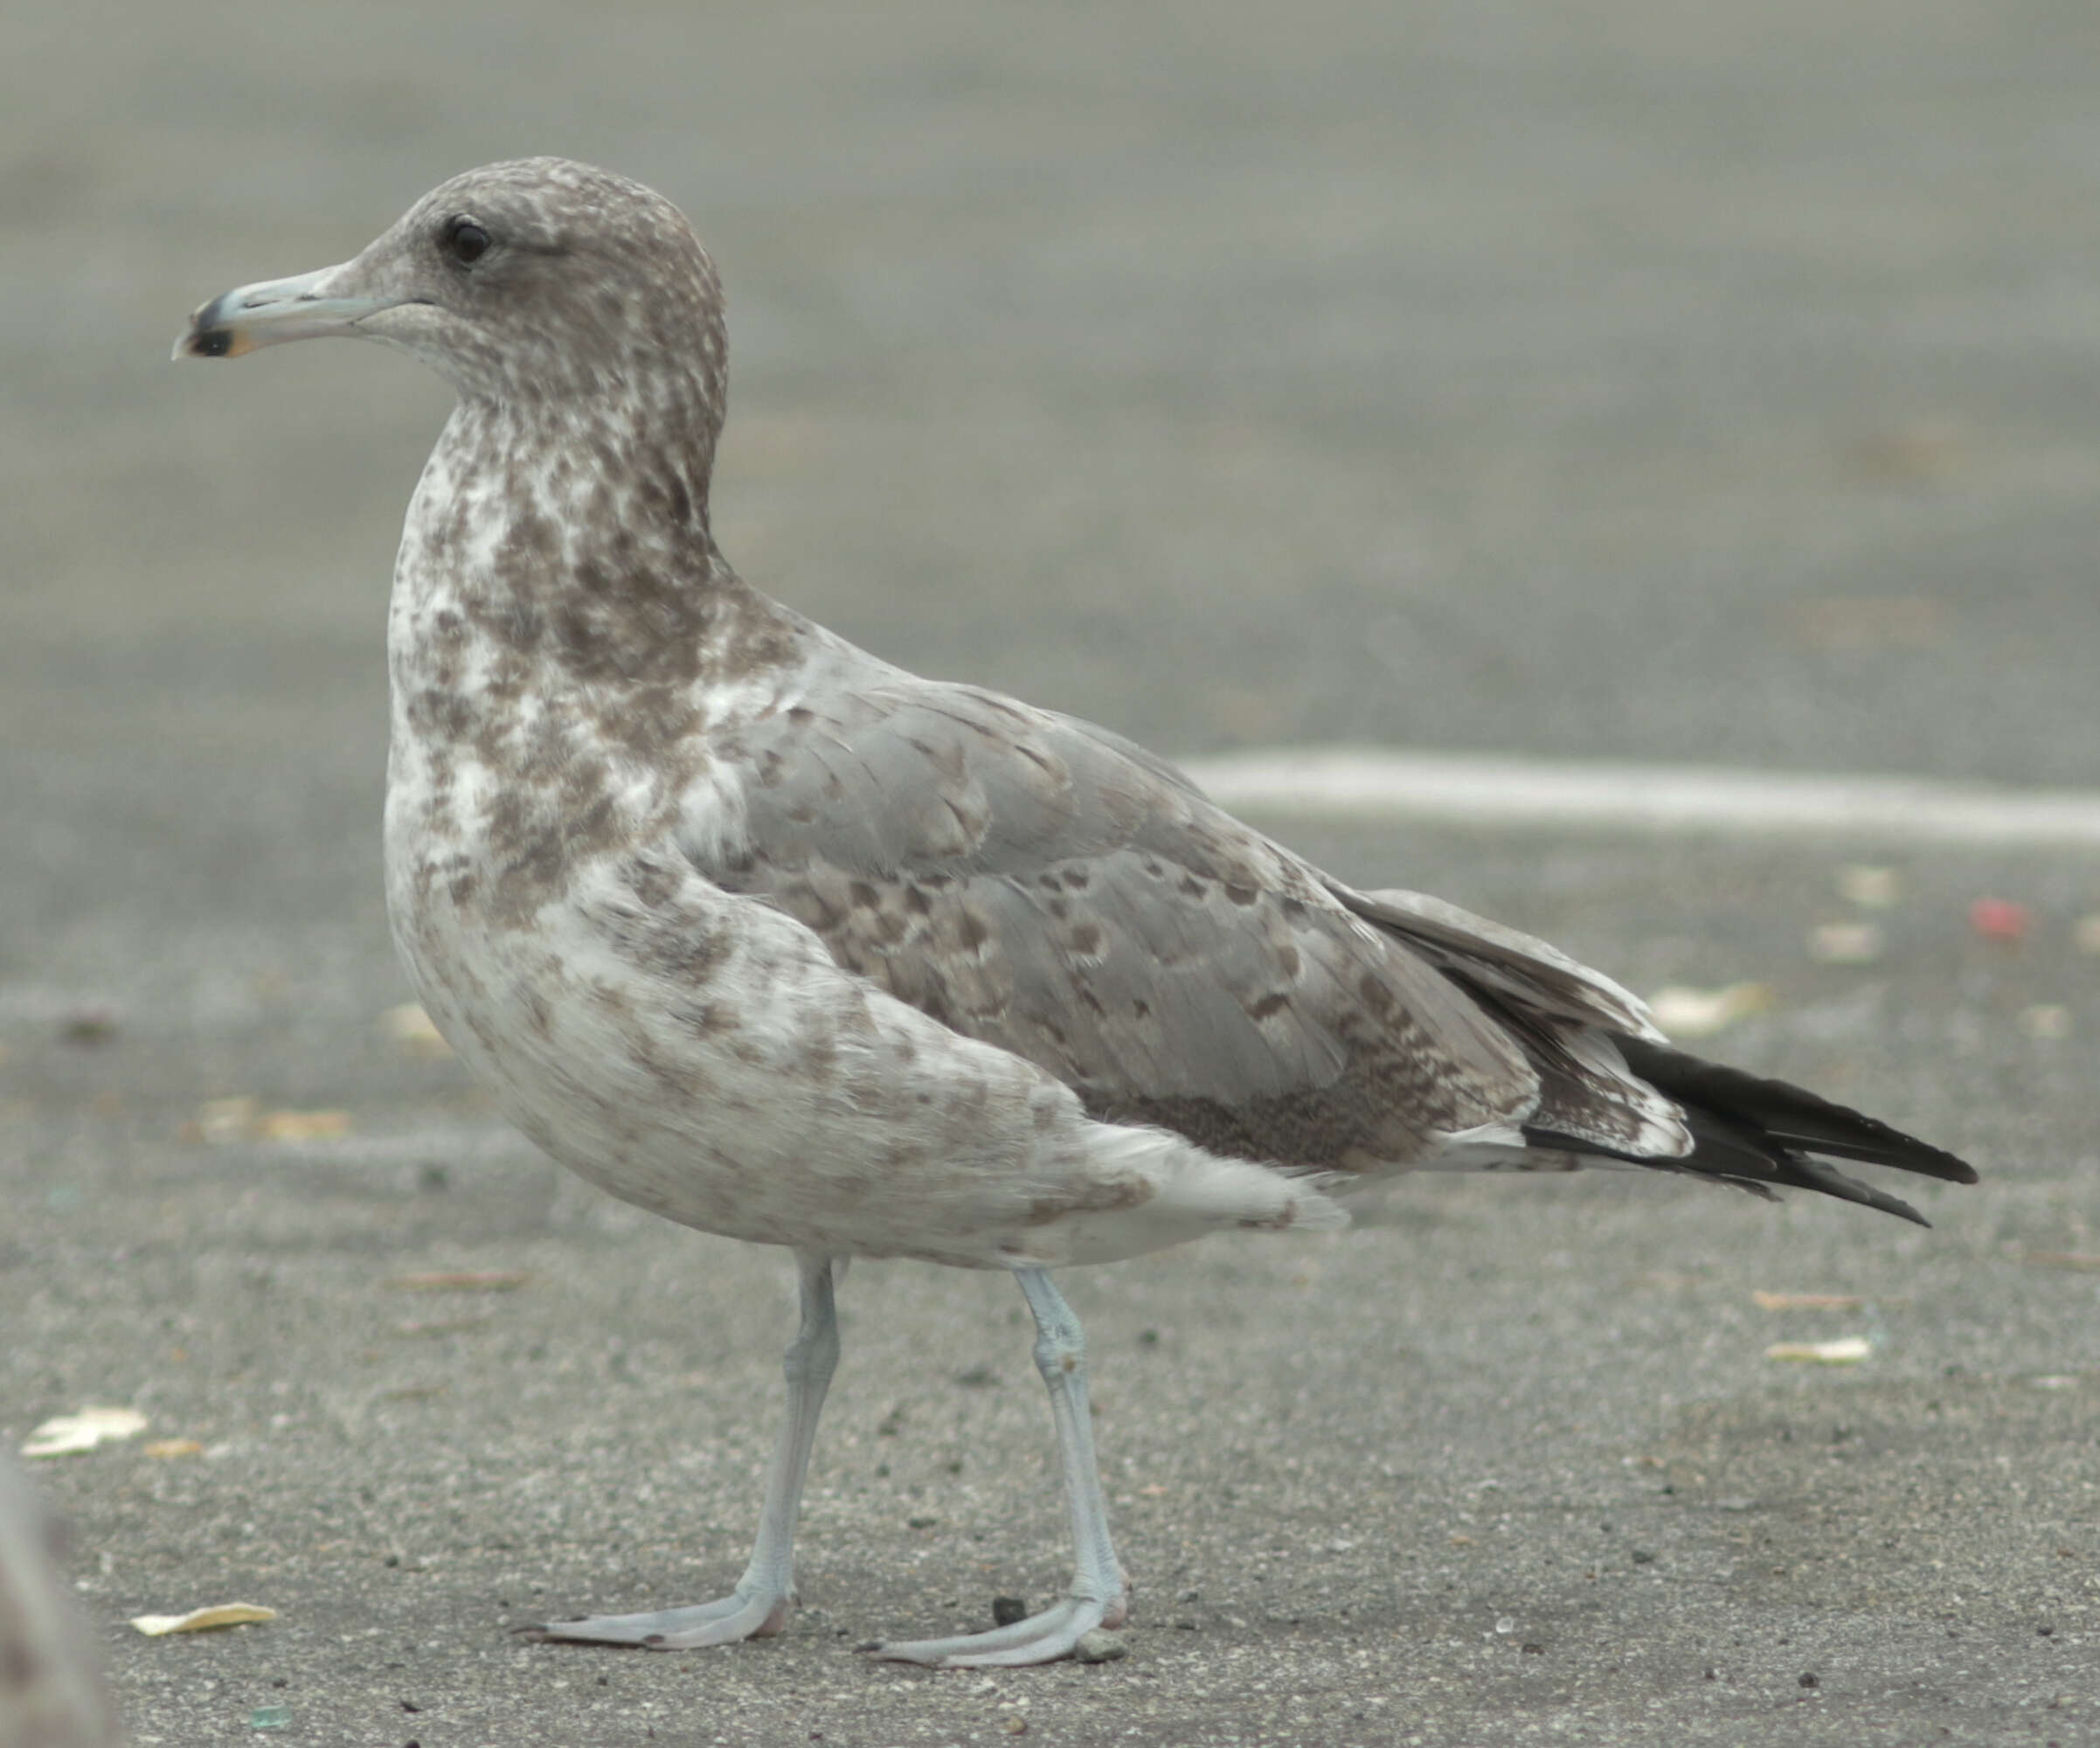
(465, 242)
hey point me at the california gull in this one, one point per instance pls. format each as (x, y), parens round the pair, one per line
(772, 938)
(51, 1687)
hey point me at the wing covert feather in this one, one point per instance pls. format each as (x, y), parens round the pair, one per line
(1031, 882)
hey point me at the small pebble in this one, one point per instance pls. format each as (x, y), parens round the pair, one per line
(1808, 1679)
(1099, 1646)
(1006, 1610)
(88, 1025)
(2046, 1020)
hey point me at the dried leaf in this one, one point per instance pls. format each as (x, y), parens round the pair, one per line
(441, 1326)
(1846, 1350)
(2072, 1260)
(65, 1434)
(226, 1120)
(203, 1620)
(409, 1026)
(1806, 1301)
(1871, 889)
(303, 1126)
(1684, 1012)
(1846, 944)
(173, 1448)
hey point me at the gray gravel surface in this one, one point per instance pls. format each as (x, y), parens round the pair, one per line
(1621, 379)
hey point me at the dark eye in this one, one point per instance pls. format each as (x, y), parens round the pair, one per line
(465, 242)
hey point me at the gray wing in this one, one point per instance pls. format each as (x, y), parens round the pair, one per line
(1490, 956)
(1576, 1024)
(1035, 883)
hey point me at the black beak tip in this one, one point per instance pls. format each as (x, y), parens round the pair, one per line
(209, 337)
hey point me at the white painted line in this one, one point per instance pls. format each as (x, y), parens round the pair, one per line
(1487, 789)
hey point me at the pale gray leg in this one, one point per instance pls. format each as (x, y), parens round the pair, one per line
(758, 1604)
(1099, 1596)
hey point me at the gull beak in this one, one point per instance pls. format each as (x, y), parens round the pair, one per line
(306, 307)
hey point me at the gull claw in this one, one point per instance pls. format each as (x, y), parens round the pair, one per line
(757, 1614)
(1041, 1638)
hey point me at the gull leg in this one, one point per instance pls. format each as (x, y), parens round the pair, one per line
(1099, 1596)
(758, 1604)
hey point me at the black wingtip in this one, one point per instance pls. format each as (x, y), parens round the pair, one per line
(1854, 1191)
(1795, 1121)
(1758, 1135)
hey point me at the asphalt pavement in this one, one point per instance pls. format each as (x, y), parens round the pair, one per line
(1620, 380)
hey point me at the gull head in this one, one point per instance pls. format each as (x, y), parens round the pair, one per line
(537, 279)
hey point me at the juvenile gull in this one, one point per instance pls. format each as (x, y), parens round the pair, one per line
(774, 939)
(52, 1694)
